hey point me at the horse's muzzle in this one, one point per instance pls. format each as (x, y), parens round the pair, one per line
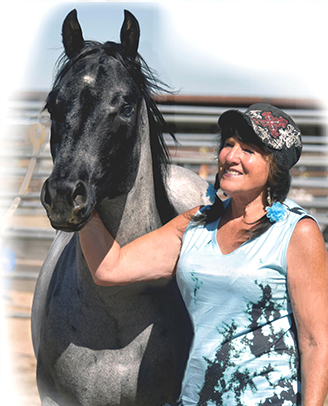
(68, 204)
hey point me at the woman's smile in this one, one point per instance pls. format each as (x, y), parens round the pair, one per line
(231, 172)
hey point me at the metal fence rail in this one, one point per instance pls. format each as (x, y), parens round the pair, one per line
(196, 131)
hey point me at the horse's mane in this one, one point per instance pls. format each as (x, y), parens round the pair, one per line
(148, 84)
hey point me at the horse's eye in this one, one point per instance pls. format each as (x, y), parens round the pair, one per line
(50, 102)
(127, 110)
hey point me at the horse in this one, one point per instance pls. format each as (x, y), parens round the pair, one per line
(120, 345)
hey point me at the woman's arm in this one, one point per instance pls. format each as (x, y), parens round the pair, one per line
(308, 288)
(150, 257)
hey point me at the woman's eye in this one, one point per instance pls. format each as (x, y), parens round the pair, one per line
(249, 151)
(127, 110)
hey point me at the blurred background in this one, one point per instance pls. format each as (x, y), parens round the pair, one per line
(214, 54)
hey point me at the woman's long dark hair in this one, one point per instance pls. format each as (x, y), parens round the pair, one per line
(279, 181)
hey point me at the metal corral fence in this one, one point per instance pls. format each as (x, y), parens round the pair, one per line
(26, 163)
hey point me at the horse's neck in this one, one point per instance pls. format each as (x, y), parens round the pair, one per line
(129, 216)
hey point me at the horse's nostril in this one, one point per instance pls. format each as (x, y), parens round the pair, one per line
(79, 195)
(78, 201)
(45, 194)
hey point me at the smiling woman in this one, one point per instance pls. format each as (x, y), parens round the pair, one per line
(243, 167)
(254, 281)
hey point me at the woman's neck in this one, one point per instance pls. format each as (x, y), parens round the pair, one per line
(247, 210)
(238, 219)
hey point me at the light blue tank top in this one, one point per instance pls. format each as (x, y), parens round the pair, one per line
(244, 350)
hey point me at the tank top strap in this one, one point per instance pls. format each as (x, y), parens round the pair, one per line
(281, 232)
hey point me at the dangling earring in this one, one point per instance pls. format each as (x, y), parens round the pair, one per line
(269, 196)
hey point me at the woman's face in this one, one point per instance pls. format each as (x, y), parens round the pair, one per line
(243, 169)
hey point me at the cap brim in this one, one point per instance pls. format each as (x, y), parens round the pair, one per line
(237, 119)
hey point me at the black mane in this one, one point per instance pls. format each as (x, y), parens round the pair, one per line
(148, 85)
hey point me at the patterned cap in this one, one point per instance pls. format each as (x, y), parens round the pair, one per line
(271, 126)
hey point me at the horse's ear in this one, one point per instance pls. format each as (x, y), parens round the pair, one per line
(72, 35)
(130, 33)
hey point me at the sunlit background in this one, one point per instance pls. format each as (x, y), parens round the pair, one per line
(263, 48)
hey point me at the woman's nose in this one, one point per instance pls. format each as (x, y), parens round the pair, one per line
(233, 155)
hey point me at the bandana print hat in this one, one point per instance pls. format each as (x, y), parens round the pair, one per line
(271, 126)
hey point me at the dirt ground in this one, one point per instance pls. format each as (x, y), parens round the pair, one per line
(18, 364)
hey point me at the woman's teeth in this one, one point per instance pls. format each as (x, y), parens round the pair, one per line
(232, 172)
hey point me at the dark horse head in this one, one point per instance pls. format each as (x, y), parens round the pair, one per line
(94, 107)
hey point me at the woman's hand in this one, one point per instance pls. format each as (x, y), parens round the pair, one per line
(307, 279)
(150, 257)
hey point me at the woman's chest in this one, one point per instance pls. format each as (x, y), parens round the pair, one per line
(233, 281)
(230, 236)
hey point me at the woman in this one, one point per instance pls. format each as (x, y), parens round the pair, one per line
(253, 273)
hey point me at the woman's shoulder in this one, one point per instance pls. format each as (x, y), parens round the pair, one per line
(297, 211)
(293, 206)
(286, 217)
(299, 226)
(308, 227)
(307, 241)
